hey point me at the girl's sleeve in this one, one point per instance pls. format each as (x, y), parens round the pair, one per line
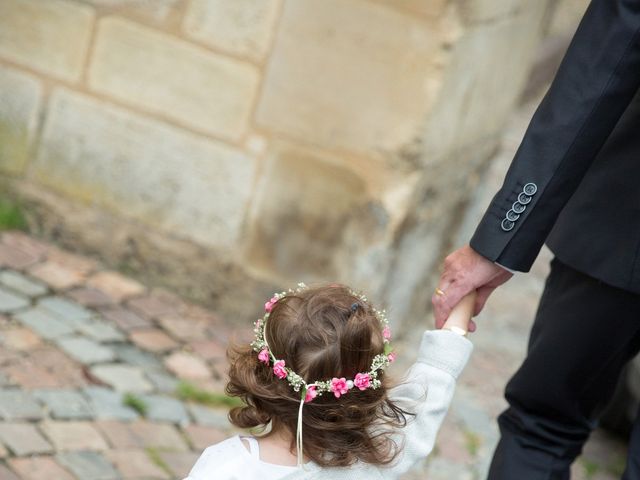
(427, 392)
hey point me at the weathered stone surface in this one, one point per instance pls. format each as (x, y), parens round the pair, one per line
(51, 37)
(333, 101)
(432, 8)
(125, 319)
(88, 465)
(44, 323)
(142, 434)
(101, 331)
(73, 436)
(163, 382)
(153, 340)
(299, 184)
(23, 439)
(139, 358)
(90, 297)
(55, 275)
(165, 409)
(13, 257)
(173, 78)
(65, 404)
(65, 309)
(123, 378)
(18, 405)
(243, 27)
(7, 474)
(29, 375)
(85, 351)
(136, 166)
(20, 98)
(156, 304)
(10, 302)
(180, 463)
(202, 437)
(107, 404)
(210, 350)
(135, 464)
(39, 468)
(22, 284)
(19, 339)
(116, 285)
(66, 372)
(185, 365)
(209, 417)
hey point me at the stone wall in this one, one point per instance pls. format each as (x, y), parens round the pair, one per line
(226, 147)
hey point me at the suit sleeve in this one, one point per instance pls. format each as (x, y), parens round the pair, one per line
(596, 81)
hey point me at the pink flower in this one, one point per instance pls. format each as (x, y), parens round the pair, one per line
(311, 394)
(279, 370)
(269, 305)
(339, 386)
(263, 356)
(386, 333)
(392, 356)
(362, 381)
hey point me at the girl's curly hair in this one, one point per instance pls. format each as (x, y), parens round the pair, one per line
(320, 336)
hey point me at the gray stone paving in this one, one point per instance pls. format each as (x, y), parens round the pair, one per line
(19, 405)
(88, 465)
(107, 404)
(122, 377)
(10, 302)
(85, 350)
(65, 404)
(22, 284)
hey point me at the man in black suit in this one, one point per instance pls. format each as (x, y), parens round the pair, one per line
(574, 183)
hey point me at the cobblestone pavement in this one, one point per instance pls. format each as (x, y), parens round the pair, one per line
(74, 337)
(470, 433)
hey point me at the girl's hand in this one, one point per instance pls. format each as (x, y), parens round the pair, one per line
(460, 316)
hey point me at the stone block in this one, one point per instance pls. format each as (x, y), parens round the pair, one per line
(132, 355)
(101, 331)
(179, 463)
(311, 197)
(65, 309)
(22, 284)
(124, 318)
(55, 275)
(163, 382)
(85, 351)
(153, 340)
(13, 257)
(90, 297)
(39, 468)
(144, 169)
(202, 437)
(123, 378)
(143, 434)
(73, 436)
(187, 366)
(19, 339)
(52, 36)
(165, 409)
(65, 404)
(115, 285)
(23, 439)
(107, 404)
(359, 85)
(209, 417)
(173, 78)
(20, 99)
(18, 405)
(135, 464)
(7, 474)
(10, 302)
(44, 323)
(88, 465)
(28, 375)
(242, 27)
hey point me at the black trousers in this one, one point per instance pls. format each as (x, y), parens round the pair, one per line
(584, 333)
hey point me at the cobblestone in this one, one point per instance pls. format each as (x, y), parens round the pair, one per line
(23, 439)
(153, 340)
(201, 437)
(88, 465)
(142, 434)
(18, 405)
(90, 297)
(65, 309)
(165, 409)
(209, 417)
(187, 366)
(10, 302)
(73, 436)
(20, 339)
(38, 468)
(115, 285)
(65, 404)
(179, 463)
(55, 275)
(101, 331)
(122, 378)
(124, 318)
(44, 323)
(134, 356)
(22, 284)
(136, 464)
(13, 257)
(107, 404)
(85, 351)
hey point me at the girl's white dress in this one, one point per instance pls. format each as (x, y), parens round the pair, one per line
(441, 357)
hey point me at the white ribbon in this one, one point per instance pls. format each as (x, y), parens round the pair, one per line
(299, 435)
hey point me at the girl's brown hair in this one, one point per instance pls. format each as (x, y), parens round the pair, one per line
(320, 334)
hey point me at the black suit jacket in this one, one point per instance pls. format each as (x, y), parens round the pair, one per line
(578, 166)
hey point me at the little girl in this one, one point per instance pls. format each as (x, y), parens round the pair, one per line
(314, 379)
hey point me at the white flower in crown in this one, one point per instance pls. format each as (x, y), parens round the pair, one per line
(337, 386)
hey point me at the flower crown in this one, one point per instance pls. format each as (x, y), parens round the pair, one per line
(338, 386)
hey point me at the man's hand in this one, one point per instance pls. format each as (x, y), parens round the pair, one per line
(466, 270)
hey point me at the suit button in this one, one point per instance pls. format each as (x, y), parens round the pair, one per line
(524, 199)
(518, 207)
(530, 188)
(512, 216)
(507, 225)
